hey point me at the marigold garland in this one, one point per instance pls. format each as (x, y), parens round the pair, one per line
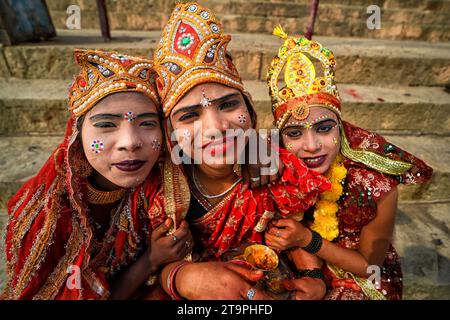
(325, 219)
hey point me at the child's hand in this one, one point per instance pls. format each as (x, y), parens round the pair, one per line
(165, 249)
(284, 234)
(306, 288)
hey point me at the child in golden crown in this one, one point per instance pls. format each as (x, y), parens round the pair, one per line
(80, 229)
(351, 226)
(203, 98)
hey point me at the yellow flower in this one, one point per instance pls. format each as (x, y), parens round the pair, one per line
(325, 219)
(334, 193)
(327, 227)
(339, 173)
(326, 208)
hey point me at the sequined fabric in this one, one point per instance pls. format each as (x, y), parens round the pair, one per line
(363, 188)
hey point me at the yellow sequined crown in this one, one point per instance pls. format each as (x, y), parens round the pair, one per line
(303, 83)
(192, 51)
(104, 73)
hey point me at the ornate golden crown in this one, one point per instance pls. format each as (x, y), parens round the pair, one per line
(192, 51)
(302, 85)
(104, 73)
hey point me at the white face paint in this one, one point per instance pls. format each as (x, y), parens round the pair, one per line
(119, 150)
(207, 126)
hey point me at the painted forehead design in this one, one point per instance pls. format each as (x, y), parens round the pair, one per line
(310, 124)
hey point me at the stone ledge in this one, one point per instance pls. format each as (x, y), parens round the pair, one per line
(41, 107)
(410, 20)
(422, 241)
(362, 61)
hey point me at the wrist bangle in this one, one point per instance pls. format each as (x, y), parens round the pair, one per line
(315, 244)
(171, 281)
(311, 273)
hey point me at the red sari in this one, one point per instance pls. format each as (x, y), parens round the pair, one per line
(233, 221)
(363, 188)
(48, 230)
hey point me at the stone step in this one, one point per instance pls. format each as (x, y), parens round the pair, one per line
(362, 61)
(422, 241)
(41, 107)
(333, 19)
(385, 4)
(435, 152)
(23, 156)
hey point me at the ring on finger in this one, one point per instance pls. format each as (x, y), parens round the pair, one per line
(251, 294)
(174, 238)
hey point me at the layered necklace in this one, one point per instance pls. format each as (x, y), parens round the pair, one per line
(202, 191)
(95, 196)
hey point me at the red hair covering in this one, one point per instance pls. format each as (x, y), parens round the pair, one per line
(48, 233)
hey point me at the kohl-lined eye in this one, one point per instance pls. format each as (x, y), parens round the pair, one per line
(188, 116)
(149, 123)
(229, 104)
(324, 128)
(293, 133)
(104, 125)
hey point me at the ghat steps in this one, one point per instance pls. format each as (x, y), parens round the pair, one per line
(410, 19)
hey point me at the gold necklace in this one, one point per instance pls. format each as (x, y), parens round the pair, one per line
(200, 187)
(95, 196)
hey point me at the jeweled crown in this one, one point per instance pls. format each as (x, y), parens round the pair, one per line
(303, 83)
(103, 73)
(192, 50)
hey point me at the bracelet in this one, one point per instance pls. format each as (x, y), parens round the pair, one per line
(312, 273)
(315, 244)
(171, 281)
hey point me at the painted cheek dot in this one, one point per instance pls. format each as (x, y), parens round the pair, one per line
(156, 145)
(186, 135)
(242, 118)
(97, 146)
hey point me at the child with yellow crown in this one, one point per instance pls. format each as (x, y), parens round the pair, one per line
(351, 225)
(83, 217)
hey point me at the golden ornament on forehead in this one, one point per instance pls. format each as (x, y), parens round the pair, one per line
(301, 111)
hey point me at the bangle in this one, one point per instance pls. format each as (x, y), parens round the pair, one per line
(171, 281)
(315, 243)
(312, 273)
